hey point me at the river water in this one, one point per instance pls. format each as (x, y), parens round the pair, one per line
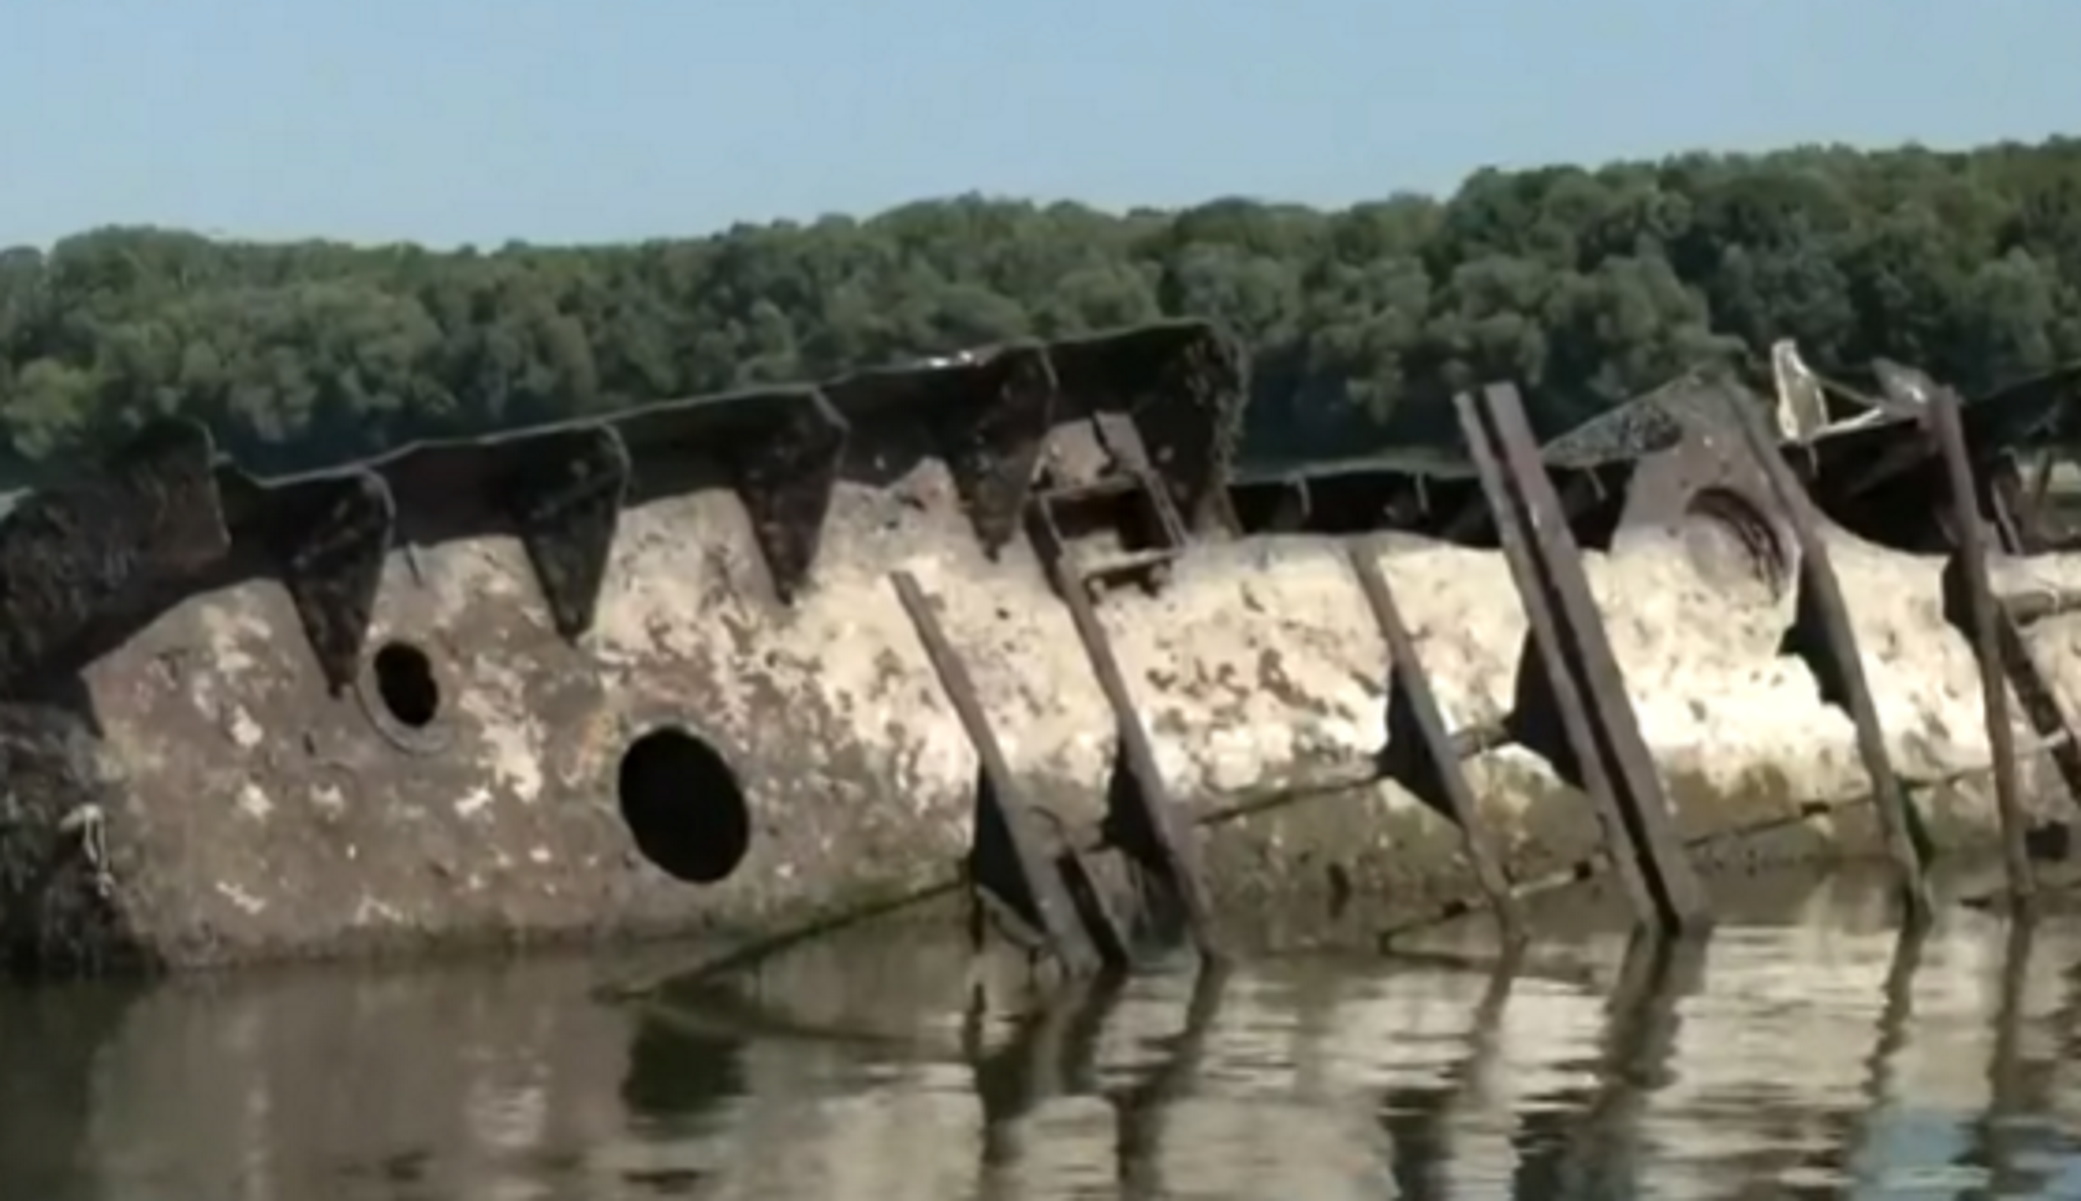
(1803, 1050)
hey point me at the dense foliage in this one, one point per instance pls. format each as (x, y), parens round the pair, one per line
(1582, 284)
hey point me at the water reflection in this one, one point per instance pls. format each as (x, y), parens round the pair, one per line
(1999, 1138)
(1140, 1108)
(1594, 1150)
(1864, 1156)
(48, 1042)
(1806, 1049)
(1414, 1115)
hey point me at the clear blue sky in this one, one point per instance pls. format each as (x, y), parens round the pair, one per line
(553, 120)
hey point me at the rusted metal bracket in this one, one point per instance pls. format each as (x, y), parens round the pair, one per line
(566, 504)
(331, 547)
(2020, 524)
(166, 479)
(1420, 754)
(1148, 567)
(1008, 869)
(1575, 676)
(1140, 819)
(786, 474)
(991, 449)
(1822, 637)
(1191, 424)
(72, 555)
(2040, 703)
(1969, 607)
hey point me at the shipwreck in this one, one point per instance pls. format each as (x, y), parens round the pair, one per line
(1015, 624)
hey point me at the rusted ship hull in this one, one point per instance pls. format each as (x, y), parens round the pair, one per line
(701, 669)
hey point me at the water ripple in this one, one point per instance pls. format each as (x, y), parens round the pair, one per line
(1798, 1055)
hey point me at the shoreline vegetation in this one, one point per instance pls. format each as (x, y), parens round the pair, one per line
(1584, 285)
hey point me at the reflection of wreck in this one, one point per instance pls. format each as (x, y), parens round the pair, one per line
(466, 690)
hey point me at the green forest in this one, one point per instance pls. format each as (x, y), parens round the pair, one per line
(1584, 285)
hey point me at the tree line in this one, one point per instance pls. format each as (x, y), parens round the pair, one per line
(1583, 285)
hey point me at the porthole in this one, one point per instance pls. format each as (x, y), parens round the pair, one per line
(1733, 545)
(684, 806)
(401, 694)
(405, 684)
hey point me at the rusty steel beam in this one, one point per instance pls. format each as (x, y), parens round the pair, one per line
(1420, 754)
(1140, 818)
(1823, 637)
(1006, 860)
(1974, 613)
(2040, 703)
(1605, 729)
(1543, 640)
(1582, 494)
(2020, 521)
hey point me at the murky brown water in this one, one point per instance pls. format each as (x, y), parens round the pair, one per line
(1803, 1051)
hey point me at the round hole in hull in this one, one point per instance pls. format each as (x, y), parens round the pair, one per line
(683, 806)
(1732, 544)
(405, 684)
